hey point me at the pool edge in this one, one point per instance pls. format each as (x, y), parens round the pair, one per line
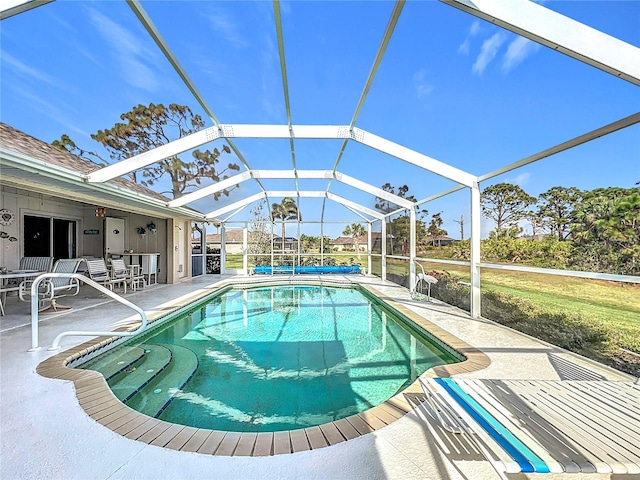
(99, 402)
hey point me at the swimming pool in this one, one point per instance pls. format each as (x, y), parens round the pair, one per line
(269, 359)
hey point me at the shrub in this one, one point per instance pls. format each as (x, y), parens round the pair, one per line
(568, 330)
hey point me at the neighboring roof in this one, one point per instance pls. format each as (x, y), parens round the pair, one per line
(276, 238)
(362, 239)
(436, 238)
(232, 235)
(20, 142)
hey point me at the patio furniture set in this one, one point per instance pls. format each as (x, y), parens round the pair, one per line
(19, 281)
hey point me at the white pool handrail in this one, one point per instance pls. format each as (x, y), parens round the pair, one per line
(56, 342)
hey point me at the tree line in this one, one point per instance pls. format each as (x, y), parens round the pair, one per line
(599, 229)
(592, 230)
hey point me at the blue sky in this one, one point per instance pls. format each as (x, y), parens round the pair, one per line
(451, 86)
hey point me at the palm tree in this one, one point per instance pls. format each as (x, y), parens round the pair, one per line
(285, 210)
(355, 230)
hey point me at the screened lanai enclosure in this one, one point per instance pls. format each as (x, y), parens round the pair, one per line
(308, 177)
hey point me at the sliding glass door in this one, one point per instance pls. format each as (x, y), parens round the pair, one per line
(48, 236)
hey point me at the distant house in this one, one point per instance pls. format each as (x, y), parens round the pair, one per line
(290, 244)
(342, 244)
(233, 240)
(438, 240)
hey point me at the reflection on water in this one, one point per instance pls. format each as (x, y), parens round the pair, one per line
(281, 358)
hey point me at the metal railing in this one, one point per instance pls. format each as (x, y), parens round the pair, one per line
(56, 342)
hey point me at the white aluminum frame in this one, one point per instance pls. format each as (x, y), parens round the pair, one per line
(523, 17)
(563, 34)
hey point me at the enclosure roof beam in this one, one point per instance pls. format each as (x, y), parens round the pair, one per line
(288, 174)
(210, 189)
(574, 142)
(233, 206)
(281, 131)
(291, 193)
(226, 219)
(153, 156)
(284, 174)
(148, 24)
(368, 220)
(386, 37)
(15, 7)
(413, 157)
(378, 192)
(285, 84)
(356, 206)
(542, 25)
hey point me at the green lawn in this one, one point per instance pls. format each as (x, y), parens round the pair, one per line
(613, 303)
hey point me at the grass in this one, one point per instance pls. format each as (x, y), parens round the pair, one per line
(614, 304)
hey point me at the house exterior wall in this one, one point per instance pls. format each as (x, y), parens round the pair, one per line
(170, 244)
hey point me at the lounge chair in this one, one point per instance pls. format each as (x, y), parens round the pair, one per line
(53, 288)
(542, 426)
(98, 272)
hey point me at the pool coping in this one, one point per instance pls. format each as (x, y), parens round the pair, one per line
(99, 402)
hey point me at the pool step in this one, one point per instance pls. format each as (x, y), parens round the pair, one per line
(159, 392)
(111, 365)
(127, 383)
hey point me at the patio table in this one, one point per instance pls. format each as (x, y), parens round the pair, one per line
(6, 287)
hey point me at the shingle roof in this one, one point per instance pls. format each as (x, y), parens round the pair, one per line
(362, 239)
(20, 142)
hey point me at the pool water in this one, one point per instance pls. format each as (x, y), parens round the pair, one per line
(269, 359)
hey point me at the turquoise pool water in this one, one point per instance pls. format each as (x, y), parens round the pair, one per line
(270, 359)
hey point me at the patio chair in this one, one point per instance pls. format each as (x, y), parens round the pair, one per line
(53, 288)
(98, 272)
(132, 273)
(40, 264)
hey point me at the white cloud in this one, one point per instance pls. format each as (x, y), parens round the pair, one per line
(226, 27)
(25, 71)
(59, 113)
(517, 51)
(464, 47)
(474, 29)
(488, 52)
(520, 180)
(423, 88)
(128, 51)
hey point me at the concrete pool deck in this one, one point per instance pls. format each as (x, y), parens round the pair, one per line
(45, 433)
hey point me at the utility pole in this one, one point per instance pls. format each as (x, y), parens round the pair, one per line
(461, 222)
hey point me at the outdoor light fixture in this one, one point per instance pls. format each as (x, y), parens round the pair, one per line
(101, 212)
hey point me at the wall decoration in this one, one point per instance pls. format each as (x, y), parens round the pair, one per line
(6, 217)
(152, 227)
(141, 231)
(4, 235)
